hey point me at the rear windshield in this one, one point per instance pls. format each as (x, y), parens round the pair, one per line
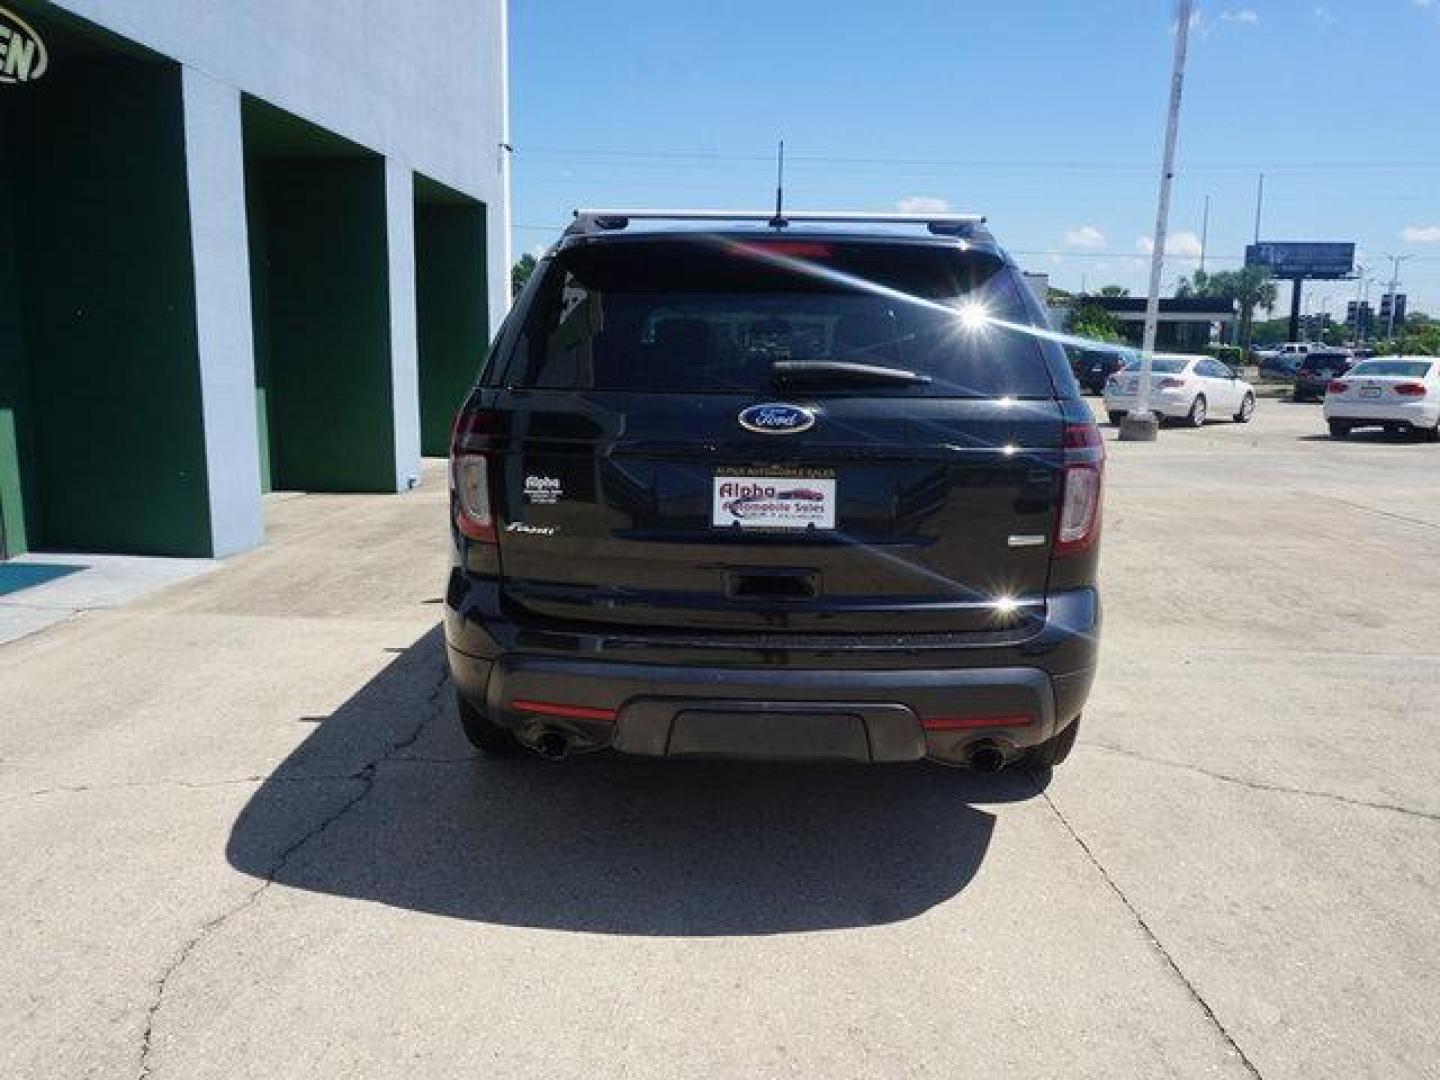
(1325, 362)
(711, 315)
(1408, 369)
(1160, 365)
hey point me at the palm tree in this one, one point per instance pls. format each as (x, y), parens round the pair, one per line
(1251, 287)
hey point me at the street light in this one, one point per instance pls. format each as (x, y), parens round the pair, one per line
(1359, 303)
(1365, 284)
(1395, 261)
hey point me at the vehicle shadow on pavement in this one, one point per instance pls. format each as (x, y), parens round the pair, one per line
(1365, 435)
(384, 801)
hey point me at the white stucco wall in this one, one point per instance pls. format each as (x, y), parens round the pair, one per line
(421, 82)
(404, 349)
(215, 175)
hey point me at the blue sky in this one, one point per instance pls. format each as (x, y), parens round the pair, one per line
(1046, 116)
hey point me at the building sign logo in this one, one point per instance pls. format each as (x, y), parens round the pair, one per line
(22, 53)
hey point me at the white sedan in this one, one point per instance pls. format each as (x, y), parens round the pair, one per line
(1186, 388)
(1398, 393)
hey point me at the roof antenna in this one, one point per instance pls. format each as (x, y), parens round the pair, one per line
(778, 221)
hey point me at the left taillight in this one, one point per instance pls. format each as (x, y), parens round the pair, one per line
(1410, 389)
(471, 450)
(1079, 524)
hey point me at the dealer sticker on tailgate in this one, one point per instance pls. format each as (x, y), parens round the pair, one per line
(802, 499)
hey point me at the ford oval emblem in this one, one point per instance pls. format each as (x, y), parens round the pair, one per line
(774, 418)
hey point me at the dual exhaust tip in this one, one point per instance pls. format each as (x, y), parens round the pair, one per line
(985, 757)
(552, 745)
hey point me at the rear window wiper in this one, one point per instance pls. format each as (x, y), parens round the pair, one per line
(842, 371)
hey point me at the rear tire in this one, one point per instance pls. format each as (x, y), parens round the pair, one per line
(1053, 751)
(483, 733)
(1430, 434)
(1339, 429)
(1247, 410)
(1198, 409)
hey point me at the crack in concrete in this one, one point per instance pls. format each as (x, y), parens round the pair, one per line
(1260, 785)
(1382, 513)
(193, 785)
(1151, 937)
(365, 777)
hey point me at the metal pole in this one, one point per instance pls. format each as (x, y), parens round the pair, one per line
(1204, 233)
(1360, 311)
(1142, 425)
(1359, 286)
(1395, 261)
(1259, 202)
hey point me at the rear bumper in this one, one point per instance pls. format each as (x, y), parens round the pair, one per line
(866, 716)
(1420, 414)
(909, 702)
(1162, 403)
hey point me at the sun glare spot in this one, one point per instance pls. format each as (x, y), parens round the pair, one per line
(974, 317)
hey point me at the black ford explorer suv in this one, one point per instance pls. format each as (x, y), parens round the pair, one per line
(820, 493)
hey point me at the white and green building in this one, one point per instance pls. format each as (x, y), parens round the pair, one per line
(245, 245)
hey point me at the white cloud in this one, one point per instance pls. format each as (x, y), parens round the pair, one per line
(1086, 236)
(1183, 244)
(1324, 15)
(1244, 16)
(1421, 234)
(922, 204)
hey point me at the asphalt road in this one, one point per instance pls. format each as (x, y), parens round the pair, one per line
(240, 837)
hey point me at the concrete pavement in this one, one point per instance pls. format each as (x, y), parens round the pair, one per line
(240, 836)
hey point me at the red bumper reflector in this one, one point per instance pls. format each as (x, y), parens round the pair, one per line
(965, 723)
(569, 712)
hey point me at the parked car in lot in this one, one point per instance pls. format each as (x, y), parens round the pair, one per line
(1398, 393)
(813, 494)
(1278, 366)
(1293, 350)
(1189, 389)
(1092, 365)
(1316, 371)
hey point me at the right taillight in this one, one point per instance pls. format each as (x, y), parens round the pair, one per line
(470, 503)
(1337, 387)
(1084, 471)
(1410, 389)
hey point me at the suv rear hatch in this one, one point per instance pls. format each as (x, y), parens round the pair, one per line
(809, 436)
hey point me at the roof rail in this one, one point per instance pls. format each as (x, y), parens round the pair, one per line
(593, 221)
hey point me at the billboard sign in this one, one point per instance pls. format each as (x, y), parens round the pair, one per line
(1302, 260)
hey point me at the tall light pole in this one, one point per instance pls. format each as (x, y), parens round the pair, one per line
(1322, 305)
(1395, 261)
(1359, 277)
(1204, 233)
(1142, 425)
(1365, 284)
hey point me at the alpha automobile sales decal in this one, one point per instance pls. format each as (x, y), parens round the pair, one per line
(773, 502)
(22, 53)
